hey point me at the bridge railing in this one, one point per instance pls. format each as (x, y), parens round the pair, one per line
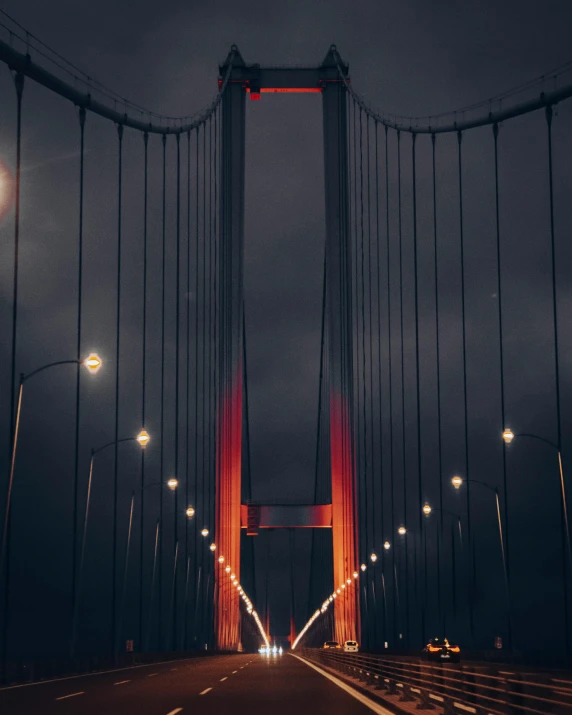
(474, 688)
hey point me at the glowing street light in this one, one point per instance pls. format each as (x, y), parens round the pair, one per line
(349, 581)
(212, 547)
(387, 545)
(143, 438)
(402, 531)
(92, 363)
(205, 532)
(457, 482)
(227, 569)
(427, 509)
(363, 567)
(190, 512)
(356, 574)
(508, 435)
(173, 484)
(221, 559)
(373, 557)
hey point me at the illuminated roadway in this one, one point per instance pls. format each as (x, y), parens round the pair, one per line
(242, 683)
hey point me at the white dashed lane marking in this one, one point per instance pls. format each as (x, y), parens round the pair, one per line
(223, 679)
(122, 682)
(151, 675)
(234, 671)
(205, 691)
(175, 711)
(71, 695)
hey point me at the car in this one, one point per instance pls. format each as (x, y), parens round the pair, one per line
(351, 647)
(440, 650)
(331, 644)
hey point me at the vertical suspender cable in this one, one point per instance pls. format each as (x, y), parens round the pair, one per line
(357, 459)
(501, 360)
(442, 611)
(114, 643)
(4, 554)
(363, 365)
(177, 365)
(210, 363)
(185, 634)
(216, 374)
(403, 443)
(196, 425)
(82, 114)
(372, 481)
(216, 334)
(549, 114)
(209, 327)
(380, 376)
(390, 376)
(143, 382)
(203, 329)
(311, 595)
(422, 530)
(465, 403)
(501, 365)
(564, 517)
(162, 428)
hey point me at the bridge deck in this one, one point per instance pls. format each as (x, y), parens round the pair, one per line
(239, 684)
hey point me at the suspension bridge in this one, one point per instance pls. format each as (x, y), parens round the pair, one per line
(419, 284)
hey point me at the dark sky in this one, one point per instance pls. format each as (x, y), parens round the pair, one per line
(408, 58)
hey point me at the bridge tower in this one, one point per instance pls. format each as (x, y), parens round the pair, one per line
(253, 81)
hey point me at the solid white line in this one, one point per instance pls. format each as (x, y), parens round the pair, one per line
(223, 679)
(234, 671)
(205, 691)
(122, 682)
(151, 675)
(172, 670)
(354, 693)
(175, 711)
(72, 695)
(105, 672)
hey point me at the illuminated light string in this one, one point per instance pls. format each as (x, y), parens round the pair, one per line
(234, 580)
(243, 595)
(327, 603)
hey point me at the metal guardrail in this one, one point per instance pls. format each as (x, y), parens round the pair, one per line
(456, 688)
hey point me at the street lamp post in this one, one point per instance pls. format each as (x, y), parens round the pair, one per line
(143, 439)
(402, 531)
(457, 483)
(92, 364)
(189, 513)
(427, 510)
(172, 484)
(508, 436)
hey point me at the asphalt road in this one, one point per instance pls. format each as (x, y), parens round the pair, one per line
(238, 684)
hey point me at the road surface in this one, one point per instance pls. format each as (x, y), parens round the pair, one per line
(242, 684)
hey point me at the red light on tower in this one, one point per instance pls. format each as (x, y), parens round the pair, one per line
(254, 89)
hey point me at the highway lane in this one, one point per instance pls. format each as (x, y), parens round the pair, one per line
(242, 683)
